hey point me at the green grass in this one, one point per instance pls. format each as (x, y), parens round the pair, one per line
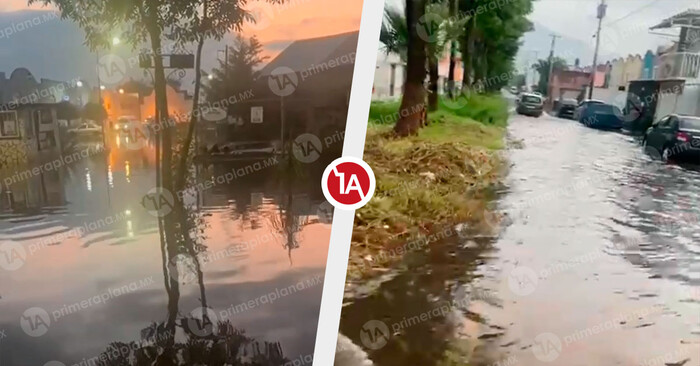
(487, 109)
(437, 178)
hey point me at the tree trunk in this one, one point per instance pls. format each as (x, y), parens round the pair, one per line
(467, 54)
(166, 166)
(451, 73)
(182, 171)
(478, 65)
(413, 101)
(433, 86)
(453, 55)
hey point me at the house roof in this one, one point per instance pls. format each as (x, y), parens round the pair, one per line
(308, 53)
(690, 17)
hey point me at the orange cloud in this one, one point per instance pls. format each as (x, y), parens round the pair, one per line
(279, 25)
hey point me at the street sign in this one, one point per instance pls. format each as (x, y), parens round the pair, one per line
(256, 114)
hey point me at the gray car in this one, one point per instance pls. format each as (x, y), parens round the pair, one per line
(530, 105)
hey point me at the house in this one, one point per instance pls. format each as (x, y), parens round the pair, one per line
(675, 87)
(568, 84)
(388, 77)
(22, 87)
(305, 89)
(30, 131)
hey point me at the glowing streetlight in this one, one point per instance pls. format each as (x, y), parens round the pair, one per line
(121, 91)
(79, 84)
(115, 41)
(102, 87)
(210, 77)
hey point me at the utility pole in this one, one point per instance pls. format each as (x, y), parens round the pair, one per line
(602, 9)
(551, 61)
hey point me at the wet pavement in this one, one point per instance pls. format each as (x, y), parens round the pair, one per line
(597, 263)
(89, 269)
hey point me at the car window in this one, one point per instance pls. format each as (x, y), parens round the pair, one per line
(673, 123)
(531, 99)
(690, 123)
(663, 122)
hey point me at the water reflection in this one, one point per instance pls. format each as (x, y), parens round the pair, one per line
(92, 276)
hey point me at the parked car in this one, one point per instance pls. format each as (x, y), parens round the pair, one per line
(600, 115)
(530, 104)
(583, 105)
(674, 137)
(513, 90)
(566, 108)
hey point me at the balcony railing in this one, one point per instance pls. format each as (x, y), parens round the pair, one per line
(683, 65)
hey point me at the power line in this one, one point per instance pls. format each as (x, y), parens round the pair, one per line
(633, 12)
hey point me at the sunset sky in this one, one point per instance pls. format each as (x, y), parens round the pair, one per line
(280, 24)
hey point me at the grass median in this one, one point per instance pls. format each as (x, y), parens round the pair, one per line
(426, 183)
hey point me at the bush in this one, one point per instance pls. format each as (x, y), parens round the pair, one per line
(484, 108)
(487, 109)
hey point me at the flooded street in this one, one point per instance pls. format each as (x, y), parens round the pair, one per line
(89, 270)
(597, 263)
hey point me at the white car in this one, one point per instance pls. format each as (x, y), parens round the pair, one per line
(125, 123)
(87, 127)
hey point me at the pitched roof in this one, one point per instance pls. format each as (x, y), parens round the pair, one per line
(305, 54)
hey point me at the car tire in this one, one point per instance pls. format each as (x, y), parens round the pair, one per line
(666, 154)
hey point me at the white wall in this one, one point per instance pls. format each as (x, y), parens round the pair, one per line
(382, 77)
(689, 102)
(611, 96)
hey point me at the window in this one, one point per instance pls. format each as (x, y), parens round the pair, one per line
(8, 124)
(690, 123)
(660, 122)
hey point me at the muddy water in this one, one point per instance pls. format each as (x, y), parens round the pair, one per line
(90, 269)
(598, 264)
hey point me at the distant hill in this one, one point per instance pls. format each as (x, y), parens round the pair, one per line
(566, 48)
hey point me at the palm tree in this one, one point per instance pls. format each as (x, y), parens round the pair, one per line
(542, 67)
(438, 29)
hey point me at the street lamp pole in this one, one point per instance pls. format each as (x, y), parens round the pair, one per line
(601, 14)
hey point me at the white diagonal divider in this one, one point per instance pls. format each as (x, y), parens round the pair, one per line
(355, 131)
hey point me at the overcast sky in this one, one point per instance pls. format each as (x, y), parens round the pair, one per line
(625, 28)
(577, 19)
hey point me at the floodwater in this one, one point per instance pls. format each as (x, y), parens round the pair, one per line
(89, 270)
(597, 263)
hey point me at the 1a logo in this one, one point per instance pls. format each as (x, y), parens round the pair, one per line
(136, 136)
(283, 81)
(547, 347)
(12, 255)
(522, 281)
(307, 148)
(158, 202)
(112, 69)
(348, 183)
(375, 334)
(201, 322)
(428, 27)
(35, 322)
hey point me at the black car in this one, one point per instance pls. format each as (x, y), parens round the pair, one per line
(566, 108)
(530, 104)
(674, 137)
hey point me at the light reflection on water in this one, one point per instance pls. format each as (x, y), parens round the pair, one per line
(87, 234)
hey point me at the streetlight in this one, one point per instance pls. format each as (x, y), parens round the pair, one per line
(121, 91)
(210, 77)
(115, 41)
(102, 87)
(79, 84)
